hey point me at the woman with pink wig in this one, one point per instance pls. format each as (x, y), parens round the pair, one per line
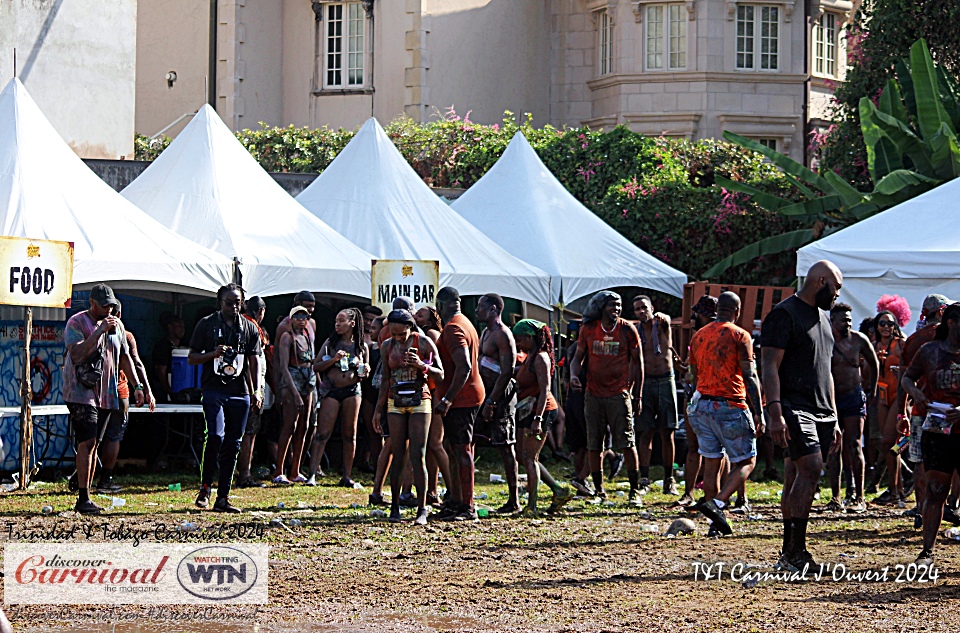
(894, 313)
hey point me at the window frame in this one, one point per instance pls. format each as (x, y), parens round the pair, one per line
(352, 47)
(664, 37)
(756, 27)
(605, 43)
(770, 142)
(823, 44)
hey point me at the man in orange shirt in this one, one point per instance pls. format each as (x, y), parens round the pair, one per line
(721, 363)
(461, 394)
(614, 383)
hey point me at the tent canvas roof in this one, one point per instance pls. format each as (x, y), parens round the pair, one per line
(519, 200)
(370, 195)
(207, 187)
(916, 239)
(46, 192)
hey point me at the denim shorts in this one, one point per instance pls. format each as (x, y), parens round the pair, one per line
(721, 428)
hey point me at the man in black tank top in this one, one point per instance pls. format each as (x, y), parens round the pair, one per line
(797, 346)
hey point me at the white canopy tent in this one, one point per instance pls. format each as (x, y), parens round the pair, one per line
(521, 206)
(912, 250)
(370, 195)
(207, 187)
(46, 192)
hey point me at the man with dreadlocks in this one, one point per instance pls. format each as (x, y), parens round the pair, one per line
(614, 384)
(343, 360)
(539, 409)
(228, 347)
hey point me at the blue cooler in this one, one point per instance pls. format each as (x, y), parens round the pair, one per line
(182, 375)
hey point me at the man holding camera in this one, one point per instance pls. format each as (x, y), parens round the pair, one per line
(228, 347)
(96, 350)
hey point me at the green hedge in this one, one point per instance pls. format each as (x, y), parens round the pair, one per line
(657, 192)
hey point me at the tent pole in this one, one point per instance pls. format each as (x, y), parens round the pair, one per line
(26, 397)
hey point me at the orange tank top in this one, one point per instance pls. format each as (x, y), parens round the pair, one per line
(528, 385)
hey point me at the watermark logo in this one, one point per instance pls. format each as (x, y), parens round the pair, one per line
(88, 573)
(217, 573)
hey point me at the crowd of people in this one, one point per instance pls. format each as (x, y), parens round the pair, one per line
(424, 387)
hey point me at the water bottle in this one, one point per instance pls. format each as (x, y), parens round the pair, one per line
(48, 510)
(187, 526)
(953, 533)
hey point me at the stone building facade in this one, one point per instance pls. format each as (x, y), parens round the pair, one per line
(692, 69)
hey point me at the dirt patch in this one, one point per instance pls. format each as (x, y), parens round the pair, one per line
(592, 569)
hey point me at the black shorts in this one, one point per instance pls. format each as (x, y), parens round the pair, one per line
(825, 437)
(805, 430)
(852, 404)
(940, 452)
(342, 393)
(458, 425)
(88, 421)
(501, 430)
(576, 435)
(549, 420)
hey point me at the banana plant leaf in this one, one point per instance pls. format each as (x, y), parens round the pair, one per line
(949, 95)
(905, 79)
(817, 208)
(847, 191)
(767, 246)
(895, 181)
(946, 153)
(903, 136)
(787, 164)
(930, 111)
(891, 102)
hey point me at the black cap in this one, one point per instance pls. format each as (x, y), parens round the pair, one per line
(103, 295)
(303, 297)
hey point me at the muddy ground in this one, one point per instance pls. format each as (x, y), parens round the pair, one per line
(593, 568)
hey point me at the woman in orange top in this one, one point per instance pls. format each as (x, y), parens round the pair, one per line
(537, 418)
(889, 347)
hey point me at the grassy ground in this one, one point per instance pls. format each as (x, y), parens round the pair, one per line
(592, 568)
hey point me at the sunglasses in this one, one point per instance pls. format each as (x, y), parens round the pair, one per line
(300, 316)
(885, 324)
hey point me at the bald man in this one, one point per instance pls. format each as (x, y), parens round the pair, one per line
(728, 414)
(797, 346)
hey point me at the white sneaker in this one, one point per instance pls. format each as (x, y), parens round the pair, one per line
(312, 481)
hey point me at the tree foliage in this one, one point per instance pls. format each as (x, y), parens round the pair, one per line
(911, 146)
(881, 35)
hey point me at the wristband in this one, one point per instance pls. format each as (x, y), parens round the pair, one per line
(138, 388)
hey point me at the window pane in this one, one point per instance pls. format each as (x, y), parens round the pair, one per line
(745, 39)
(654, 37)
(605, 44)
(355, 48)
(678, 36)
(830, 38)
(334, 45)
(769, 33)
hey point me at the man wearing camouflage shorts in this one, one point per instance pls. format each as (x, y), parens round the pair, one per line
(498, 355)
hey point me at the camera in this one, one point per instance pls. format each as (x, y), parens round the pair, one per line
(229, 359)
